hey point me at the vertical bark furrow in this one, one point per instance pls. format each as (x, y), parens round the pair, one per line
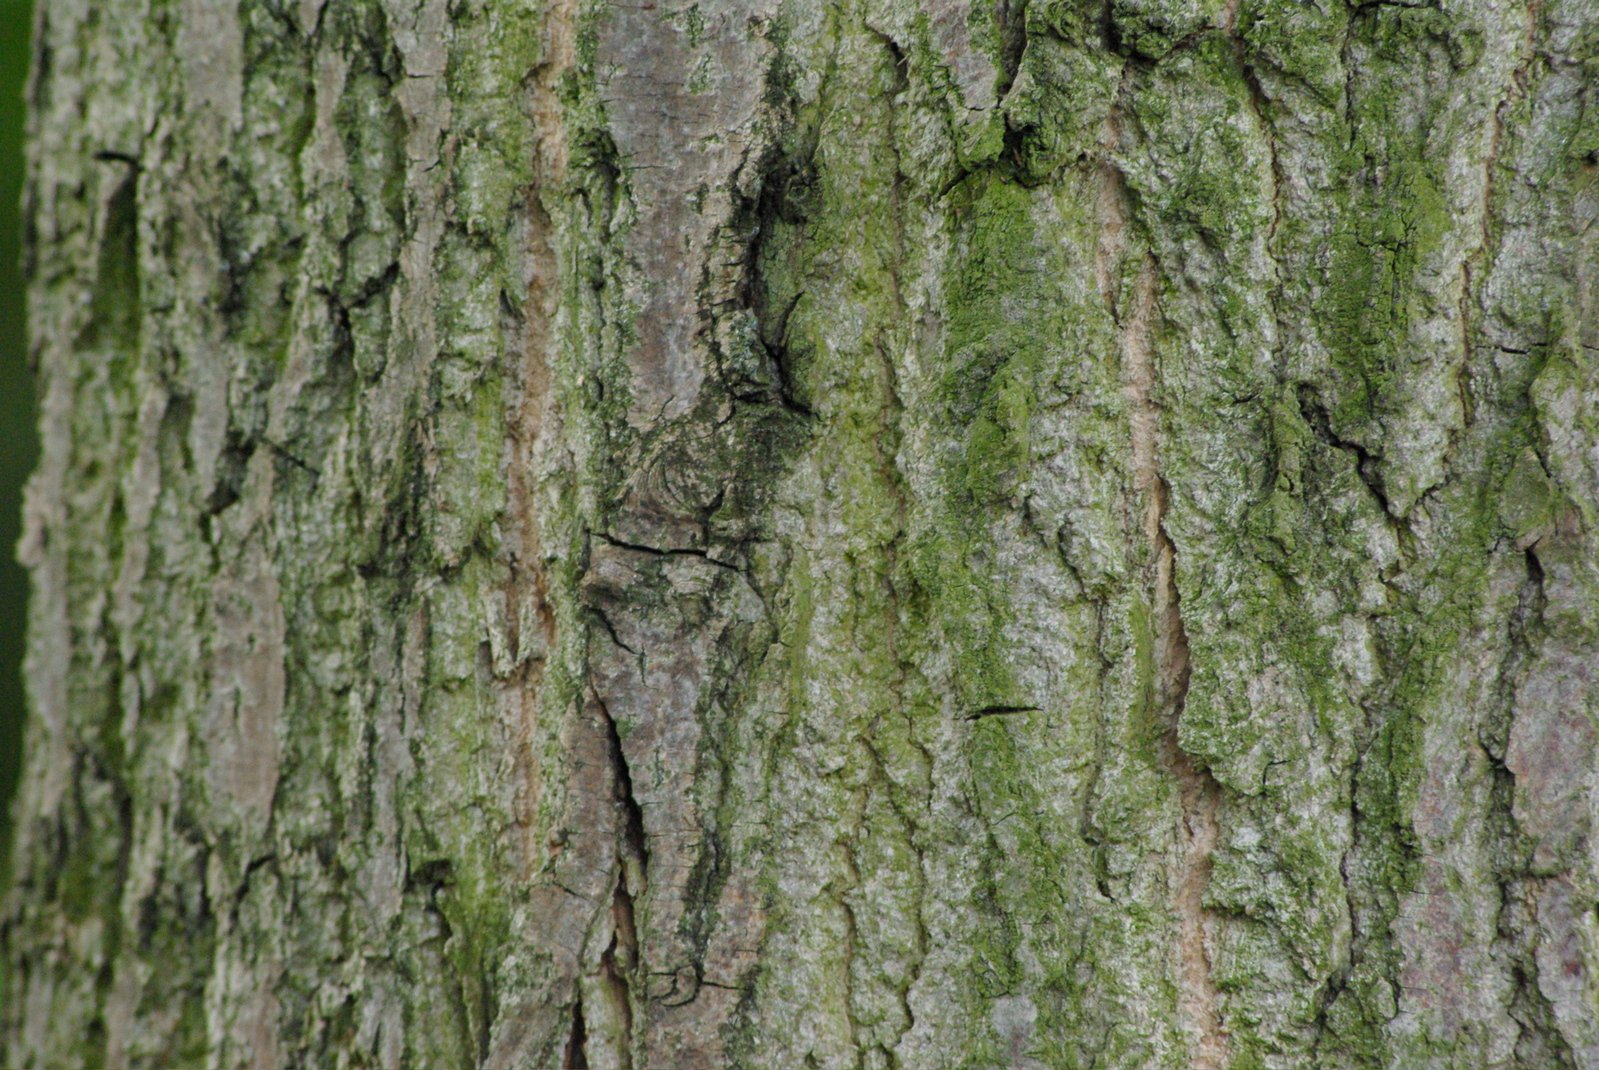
(894, 533)
(1198, 795)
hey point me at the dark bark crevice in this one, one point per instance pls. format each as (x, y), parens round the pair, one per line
(575, 1055)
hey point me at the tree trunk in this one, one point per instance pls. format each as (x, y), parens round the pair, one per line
(772, 533)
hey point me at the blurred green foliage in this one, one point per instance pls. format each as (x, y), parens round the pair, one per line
(17, 449)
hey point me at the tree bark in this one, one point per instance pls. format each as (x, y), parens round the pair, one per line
(888, 533)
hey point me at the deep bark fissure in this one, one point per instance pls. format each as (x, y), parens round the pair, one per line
(1519, 886)
(1198, 794)
(575, 1056)
(997, 711)
(1314, 413)
(618, 965)
(763, 534)
(633, 847)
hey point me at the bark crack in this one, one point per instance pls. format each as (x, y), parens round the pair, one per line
(667, 551)
(620, 961)
(997, 711)
(574, 1058)
(617, 964)
(633, 854)
(1199, 796)
(1519, 887)
(529, 403)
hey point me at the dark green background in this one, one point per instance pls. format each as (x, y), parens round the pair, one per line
(16, 405)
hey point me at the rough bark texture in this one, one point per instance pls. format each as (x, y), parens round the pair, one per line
(873, 533)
